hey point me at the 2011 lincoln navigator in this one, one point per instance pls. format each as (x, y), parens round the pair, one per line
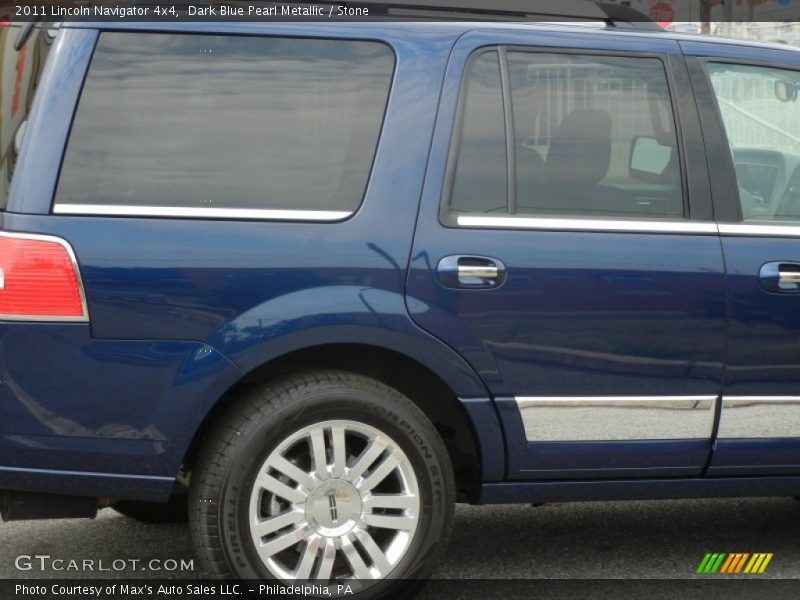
(315, 283)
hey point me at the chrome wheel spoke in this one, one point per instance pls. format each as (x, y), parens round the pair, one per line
(318, 453)
(399, 522)
(309, 556)
(292, 471)
(378, 474)
(287, 540)
(391, 501)
(339, 450)
(278, 522)
(376, 555)
(360, 570)
(326, 563)
(271, 484)
(368, 456)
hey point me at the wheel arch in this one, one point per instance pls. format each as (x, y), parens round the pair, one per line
(427, 389)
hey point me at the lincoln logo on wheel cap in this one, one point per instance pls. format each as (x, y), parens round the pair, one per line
(334, 510)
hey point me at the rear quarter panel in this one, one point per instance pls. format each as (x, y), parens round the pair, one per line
(182, 308)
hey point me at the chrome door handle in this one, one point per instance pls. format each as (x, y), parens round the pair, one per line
(466, 272)
(471, 272)
(780, 277)
(788, 276)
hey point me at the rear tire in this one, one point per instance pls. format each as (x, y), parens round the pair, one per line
(323, 476)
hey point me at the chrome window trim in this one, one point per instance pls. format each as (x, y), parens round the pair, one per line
(198, 212)
(551, 418)
(768, 230)
(626, 226)
(79, 280)
(469, 221)
(598, 225)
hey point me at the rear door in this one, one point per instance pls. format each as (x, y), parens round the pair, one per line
(752, 125)
(565, 247)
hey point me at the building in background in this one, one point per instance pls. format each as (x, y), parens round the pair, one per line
(759, 20)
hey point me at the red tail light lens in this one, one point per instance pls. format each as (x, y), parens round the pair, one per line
(39, 279)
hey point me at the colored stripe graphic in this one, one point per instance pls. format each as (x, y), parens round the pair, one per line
(758, 563)
(703, 563)
(740, 563)
(727, 564)
(730, 565)
(711, 562)
(715, 565)
(734, 563)
(755, 562)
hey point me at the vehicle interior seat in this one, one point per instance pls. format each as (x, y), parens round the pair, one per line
(578, 158)
(530, 174)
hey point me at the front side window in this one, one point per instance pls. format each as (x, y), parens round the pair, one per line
(226, 122)
(593, 136)
(760, 112)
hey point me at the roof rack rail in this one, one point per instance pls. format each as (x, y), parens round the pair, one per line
(612, 15)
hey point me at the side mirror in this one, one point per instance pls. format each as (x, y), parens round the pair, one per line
(785, 91)
(649, 158)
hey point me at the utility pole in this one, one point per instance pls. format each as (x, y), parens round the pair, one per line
(728, 16)
(705, 16)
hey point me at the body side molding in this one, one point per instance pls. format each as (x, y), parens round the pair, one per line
(606, 418)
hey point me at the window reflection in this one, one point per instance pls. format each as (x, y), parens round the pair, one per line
(227, 122)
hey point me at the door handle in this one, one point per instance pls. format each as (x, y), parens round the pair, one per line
(780, 277)
(788, 277)
(475, 272)
(468, 272)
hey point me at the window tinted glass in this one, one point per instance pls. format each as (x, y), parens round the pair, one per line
(593, 136)
(480, 183)
(21, 71)
(227, 122)
(761, 114)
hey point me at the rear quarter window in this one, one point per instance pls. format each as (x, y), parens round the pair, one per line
(21, 71)
(194, 123)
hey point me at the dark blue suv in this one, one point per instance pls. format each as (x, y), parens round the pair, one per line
(312, 284)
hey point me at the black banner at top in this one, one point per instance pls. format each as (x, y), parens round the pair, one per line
(620, 13)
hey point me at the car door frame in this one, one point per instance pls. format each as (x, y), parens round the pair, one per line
(693, 163)
(737, 448)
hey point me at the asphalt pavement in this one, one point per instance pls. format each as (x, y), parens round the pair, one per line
(655, 540)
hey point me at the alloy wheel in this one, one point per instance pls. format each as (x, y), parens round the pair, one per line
(335, 500)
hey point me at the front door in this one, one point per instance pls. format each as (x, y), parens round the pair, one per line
(565, 247)
(754, 113)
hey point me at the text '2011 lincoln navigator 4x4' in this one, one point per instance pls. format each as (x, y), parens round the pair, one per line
(315, 283)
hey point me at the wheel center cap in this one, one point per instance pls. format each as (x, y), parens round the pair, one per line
(334, 507)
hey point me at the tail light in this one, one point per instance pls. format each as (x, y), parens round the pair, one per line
(39, 279)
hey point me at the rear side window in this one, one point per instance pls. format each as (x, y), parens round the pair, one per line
(21, 71)
(591, 136)
(179, 124)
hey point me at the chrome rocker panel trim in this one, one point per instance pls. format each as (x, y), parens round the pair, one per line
(606, 418)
